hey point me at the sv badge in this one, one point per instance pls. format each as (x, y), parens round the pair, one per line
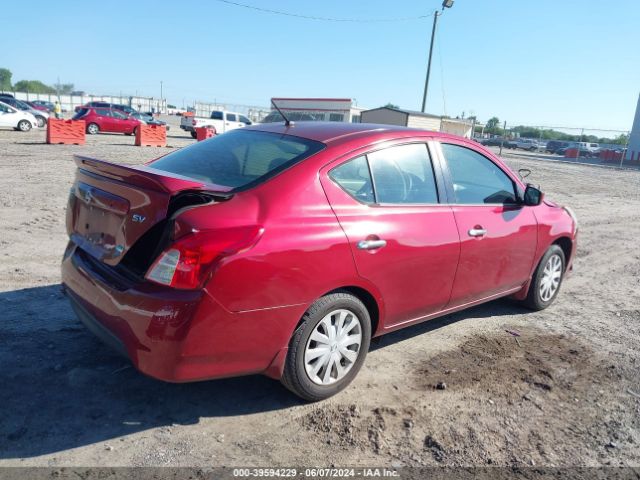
(138, 218)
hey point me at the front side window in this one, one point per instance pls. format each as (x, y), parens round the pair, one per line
(238, 159)
(354, 177)
(403, 174)
(245, 120)
(118, 114)
(476, 179)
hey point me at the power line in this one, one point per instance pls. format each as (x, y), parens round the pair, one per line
(325, 19)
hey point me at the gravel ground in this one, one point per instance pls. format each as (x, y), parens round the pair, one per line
(566, 393)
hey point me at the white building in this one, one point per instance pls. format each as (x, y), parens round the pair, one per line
(414, 119)
(633, 152)
(321, 109)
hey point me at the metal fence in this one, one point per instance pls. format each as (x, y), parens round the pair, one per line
(585, 144)
(70, 102)
(204, 109)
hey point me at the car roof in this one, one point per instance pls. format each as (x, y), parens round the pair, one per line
(334, 132)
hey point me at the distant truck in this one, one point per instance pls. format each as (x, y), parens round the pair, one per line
(221, 120)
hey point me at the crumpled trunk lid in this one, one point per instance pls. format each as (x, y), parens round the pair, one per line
(112, 206)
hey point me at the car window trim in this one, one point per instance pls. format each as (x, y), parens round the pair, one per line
(439, 181)
(451, 198)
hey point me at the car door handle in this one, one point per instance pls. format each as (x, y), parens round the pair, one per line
(371, 244)
(477, 232)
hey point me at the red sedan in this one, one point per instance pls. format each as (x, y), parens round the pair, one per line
(106, 120)
(283, 250)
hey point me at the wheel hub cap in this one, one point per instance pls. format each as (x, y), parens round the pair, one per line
(333, 347)
(551, 276)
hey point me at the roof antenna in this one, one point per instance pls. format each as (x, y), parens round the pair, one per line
(287, 122)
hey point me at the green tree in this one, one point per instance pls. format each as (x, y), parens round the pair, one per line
(391, 105)
(5, 79)
(33, 86)
(493, 123)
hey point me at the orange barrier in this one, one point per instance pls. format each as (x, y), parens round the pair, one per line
(202, 133)
(151, 135)
(571, 153)
(68, 132)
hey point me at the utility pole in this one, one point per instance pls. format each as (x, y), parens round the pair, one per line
(504, 133)
(445, 4)
(426, 81)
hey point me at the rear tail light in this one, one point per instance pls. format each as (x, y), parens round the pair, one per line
(193, 122)
(189, 262)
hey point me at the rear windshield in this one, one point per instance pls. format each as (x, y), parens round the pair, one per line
(238, 159)
(80, 113)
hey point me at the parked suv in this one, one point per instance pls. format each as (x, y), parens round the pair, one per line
(116, 106)
(554, 145)
(106, 120)
(283, 249)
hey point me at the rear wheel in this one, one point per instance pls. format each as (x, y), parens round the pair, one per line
(194, 135)
(24, 125)
(546, 280)
(92, 129)
(328, 348)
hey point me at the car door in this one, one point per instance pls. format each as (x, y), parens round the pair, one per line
(104, 120)
(8, 117)
(403, 240)
(231, 121)
(498, 234)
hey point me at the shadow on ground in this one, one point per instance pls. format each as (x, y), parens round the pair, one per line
(62, 388)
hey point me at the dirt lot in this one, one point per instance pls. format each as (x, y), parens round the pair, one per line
(566, 393)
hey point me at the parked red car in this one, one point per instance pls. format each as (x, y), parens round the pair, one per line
(283, 249)
(106, 120)
(36, 106)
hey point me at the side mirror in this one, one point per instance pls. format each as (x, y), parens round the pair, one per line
(532, 196)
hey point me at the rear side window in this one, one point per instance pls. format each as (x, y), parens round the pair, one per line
(103, 112)
(476, 179)
(238, 159)
(231, 117)
(80, 113)
(403, 174)
(353, 176)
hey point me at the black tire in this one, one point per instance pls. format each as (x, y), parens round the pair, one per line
(90, 130)
(24, 125)
(295, 377)
(534, 299)
(194, 135)
(41, 121)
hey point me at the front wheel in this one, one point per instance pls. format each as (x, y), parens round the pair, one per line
(24, 125)
(41, 121)
(328, 348)
(546, 280)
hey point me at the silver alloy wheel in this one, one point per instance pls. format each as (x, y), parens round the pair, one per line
(41, 121)
(551, 278)
(24, 126)
(333, 347)
(92, 128)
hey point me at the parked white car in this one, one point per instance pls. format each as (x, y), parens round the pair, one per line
(16, 119)
(221, 120)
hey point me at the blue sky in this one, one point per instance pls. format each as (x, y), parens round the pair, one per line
(544, 62)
